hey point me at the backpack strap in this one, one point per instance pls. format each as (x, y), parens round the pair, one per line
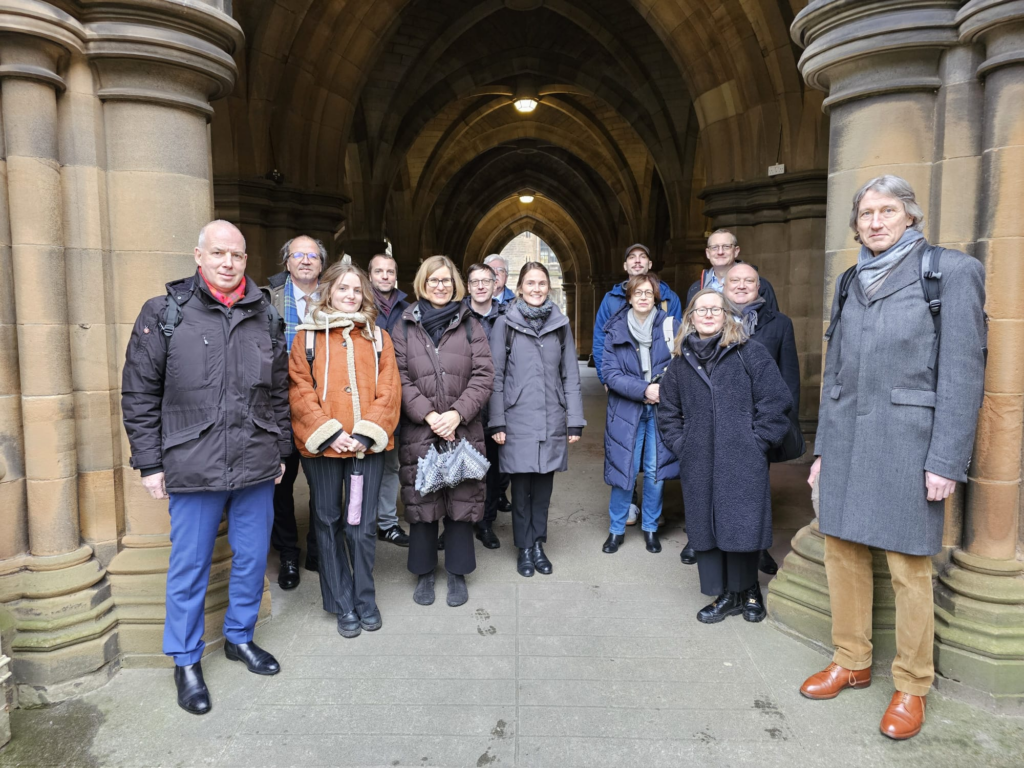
(172, 316)
(931, 284)
(845, 281)
(310, 340)
(668, 333)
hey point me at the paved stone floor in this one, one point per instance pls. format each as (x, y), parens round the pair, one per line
(600, 664)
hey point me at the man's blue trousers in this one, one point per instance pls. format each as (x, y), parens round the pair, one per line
(194, 521)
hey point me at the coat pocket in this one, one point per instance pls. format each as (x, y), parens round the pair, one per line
(182, 436)
(921, 397)
(837, 390)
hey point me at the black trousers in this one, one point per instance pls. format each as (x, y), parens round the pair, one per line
(722, 572)
(459, 547)
(347, 551)
(531, 498)
(497, 482)
(284, 536)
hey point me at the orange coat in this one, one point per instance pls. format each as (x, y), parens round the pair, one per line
(316, 420)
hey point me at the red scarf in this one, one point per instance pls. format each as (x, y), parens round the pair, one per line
(227, 299)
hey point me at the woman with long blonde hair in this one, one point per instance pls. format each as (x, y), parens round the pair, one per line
(723, 404)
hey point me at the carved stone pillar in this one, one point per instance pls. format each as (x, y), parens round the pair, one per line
(980, 600)
(881, 64)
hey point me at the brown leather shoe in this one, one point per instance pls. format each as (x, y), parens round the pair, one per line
(830, 681)
(904, 717)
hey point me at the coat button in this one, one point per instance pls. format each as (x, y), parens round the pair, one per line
(348, 389)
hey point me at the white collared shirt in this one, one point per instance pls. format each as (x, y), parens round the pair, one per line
(303, 302)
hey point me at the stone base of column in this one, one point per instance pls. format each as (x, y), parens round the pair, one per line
(979, 631)
(64, 639)
(138, 575)
(798, 598)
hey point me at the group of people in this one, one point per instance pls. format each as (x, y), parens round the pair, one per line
(227, 389)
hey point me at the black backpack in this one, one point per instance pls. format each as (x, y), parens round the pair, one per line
(172, 315)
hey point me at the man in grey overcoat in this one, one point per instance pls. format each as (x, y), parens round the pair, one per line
(900, 397)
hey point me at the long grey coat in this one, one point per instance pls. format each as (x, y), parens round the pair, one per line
(886, 418)
(536, 399)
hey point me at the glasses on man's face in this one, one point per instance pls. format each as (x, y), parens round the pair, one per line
(721, 248)
(502, 270)
(643, 294)
(705, 311)
(482, 282)
(300, 256)
(433, 282)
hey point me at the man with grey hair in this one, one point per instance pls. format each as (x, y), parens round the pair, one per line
(903, 382)
(204, 397)
(292, 292)
(501, 292)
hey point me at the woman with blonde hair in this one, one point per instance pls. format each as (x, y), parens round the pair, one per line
(345, 399)
(723, 404)
(445, 365)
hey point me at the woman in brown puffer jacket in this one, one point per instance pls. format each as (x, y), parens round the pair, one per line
(445, 364)
(345, 406)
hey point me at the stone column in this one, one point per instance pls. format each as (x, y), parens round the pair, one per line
(64, 625)
(880, 63)
(156, 73)
(980, 599)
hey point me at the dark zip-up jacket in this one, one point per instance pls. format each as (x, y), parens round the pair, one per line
(210, 405)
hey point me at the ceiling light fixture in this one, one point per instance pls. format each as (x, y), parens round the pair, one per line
(526, 196)
(525, 104)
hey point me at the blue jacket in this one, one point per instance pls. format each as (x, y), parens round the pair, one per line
(615, 300)
(506, 296)
(388, 322)
(626, 385)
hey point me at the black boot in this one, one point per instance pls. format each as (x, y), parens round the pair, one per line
(193, 695)
(257, 660)
(612, 543)
(288, 576)
(753, 604)
(348, 624)
(504, 505)
(726, 605)
(486, 535)
(653, 544)
(688, 555)
(540, 560)
(766, 563)
(524, 564)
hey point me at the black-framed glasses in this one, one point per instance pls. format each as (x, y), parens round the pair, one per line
(705, 311)
(481, 282)
(433, 282)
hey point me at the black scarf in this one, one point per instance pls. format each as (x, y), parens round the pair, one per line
(535, 316)
(435, 320)
(707, 351)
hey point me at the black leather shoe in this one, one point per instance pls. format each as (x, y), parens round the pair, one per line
(348, 625)
(504, 505)
(766, 563)
(653, 543)
(727, 605)
(612, 543)
(395, 535)
(288, 576)
(753, 604)
(524, 564)
(440, 542)
(688, 555)
(312, 563)
(193, 695)
(540, 560)
(487, 537)
(256, 659)
(371, 622)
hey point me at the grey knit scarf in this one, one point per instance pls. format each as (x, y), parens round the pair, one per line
(535, 316)
(643, 334)
(872, 270)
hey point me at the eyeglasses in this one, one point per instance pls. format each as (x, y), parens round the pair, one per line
(705, 311)
(481, 282)
(721, 248)
(502, 270)
(433, 282)
(300, 256)
(643, 294)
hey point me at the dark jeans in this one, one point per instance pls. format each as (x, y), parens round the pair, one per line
(722, 572)
(497, 482)
(284, 537)
(459, 547)
(531, 497)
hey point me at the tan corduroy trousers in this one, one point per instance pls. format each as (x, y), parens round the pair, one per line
(851, 588)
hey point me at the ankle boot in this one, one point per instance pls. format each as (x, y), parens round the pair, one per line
(524, 564)
(753, 604)
(726, 605)
(193, 695)
(540, 560)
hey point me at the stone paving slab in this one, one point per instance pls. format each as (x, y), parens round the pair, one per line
(600, 664)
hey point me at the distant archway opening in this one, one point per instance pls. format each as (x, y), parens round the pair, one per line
(525, 247)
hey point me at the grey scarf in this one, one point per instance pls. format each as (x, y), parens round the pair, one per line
(872, 270)
(535, 316)
(643, 333)
(749, 316)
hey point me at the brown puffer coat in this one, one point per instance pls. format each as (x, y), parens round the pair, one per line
(457, 375)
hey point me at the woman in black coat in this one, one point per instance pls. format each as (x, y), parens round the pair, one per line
(736, 405)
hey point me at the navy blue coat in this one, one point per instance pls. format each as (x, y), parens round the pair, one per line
(732, 418)
(621, 371)
(388, 322)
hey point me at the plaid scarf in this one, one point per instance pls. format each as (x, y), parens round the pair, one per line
(291, 313)
(227, 299)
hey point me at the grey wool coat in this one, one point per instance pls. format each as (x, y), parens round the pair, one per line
(536, 401)
(886, 417)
